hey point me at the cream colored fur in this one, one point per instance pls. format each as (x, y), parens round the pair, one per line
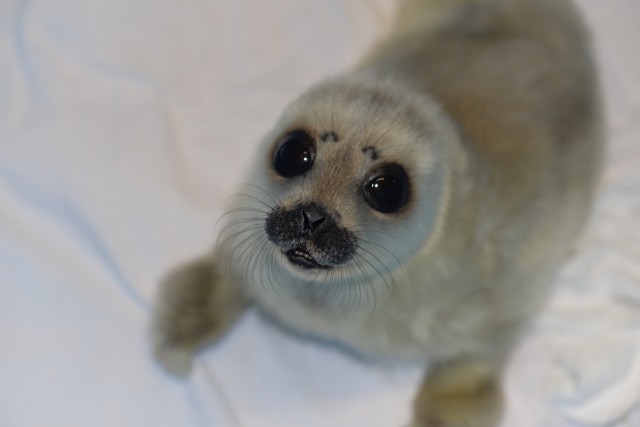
(492, 107)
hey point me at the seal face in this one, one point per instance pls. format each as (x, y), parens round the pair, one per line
(310, 233)
(347, 191)
(310, 237)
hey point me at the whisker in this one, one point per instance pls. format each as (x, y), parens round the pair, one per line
(274, 199)
(384, 249)
(248, 196)
(369, 284)
(242, 209)
(333, 101)
(272, 268)
(347, 274)
(393, 126)
(238, 221)
(367, 230)
(252, 235)
(222, 238)
(262, 214)
(304, 98)
(409, 144)
(258, 222)
(343, 294)
(382, 276)
(318, 287)
(329, 286)
(363, 275)
(334, 288)
(357, 293)
(261, 256)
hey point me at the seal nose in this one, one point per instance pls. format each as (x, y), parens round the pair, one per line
(314, 219)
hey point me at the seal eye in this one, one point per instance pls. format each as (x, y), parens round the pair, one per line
(388, 190)
(295, 154)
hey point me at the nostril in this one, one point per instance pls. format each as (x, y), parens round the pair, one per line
(317, 223)
(312, 219)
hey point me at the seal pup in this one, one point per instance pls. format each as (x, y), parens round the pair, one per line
(417, 207)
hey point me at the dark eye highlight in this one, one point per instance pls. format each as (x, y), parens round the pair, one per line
(387, 190)
(294, 154)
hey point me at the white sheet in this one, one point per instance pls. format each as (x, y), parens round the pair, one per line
(123, 127)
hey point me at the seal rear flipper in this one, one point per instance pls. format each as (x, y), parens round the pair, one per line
(460, 393)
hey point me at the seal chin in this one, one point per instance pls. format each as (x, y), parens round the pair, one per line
(300, 257)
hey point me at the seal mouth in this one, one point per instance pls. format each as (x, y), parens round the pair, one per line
(302, 258)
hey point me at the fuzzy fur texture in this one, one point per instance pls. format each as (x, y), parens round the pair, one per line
(492, 108)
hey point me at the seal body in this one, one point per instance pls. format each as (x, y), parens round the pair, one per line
(496, 112)
(418, 207)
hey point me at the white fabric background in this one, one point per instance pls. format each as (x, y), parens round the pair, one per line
(124, 125)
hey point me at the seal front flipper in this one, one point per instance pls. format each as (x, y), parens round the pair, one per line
(198, 302)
